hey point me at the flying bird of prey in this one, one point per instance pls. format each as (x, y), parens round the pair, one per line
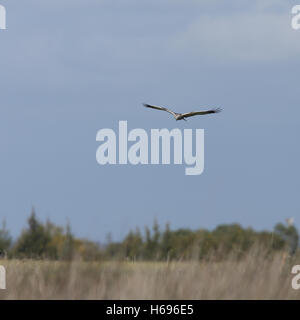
(182, 116)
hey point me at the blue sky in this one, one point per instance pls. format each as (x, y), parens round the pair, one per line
(71, 68)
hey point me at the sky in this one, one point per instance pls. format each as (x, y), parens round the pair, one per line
(70, 68)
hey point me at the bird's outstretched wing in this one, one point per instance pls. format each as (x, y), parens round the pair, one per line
(160, 108)
(200, 113)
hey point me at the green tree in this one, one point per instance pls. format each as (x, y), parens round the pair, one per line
(289, 235)
(166, 243)
(133, 245)
(152, 243)
(68, 247)
(34, 241)
(5, 239)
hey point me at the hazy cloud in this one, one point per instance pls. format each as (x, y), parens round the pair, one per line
(240, 37)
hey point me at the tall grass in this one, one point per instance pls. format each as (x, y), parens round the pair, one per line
(254, 276)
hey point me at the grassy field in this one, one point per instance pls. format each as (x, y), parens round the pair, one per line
(253, 277)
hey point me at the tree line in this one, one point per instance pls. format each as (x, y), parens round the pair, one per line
(49, 241)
